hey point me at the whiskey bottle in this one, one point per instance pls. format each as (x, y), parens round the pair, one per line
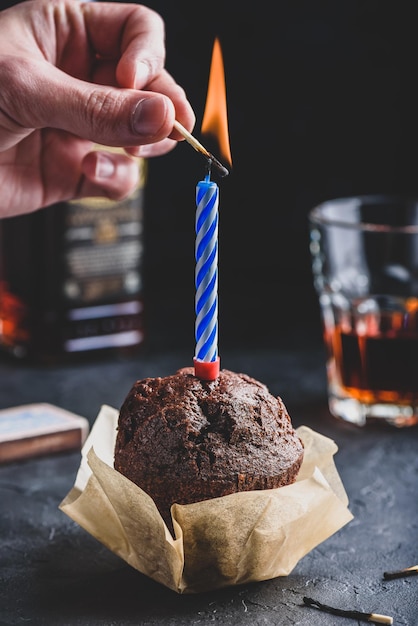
(71, 278)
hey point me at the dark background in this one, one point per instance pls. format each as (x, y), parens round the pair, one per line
(321, 103)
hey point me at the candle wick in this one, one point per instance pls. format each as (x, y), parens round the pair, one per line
(209, 169)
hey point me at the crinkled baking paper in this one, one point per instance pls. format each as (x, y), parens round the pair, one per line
(236, 539)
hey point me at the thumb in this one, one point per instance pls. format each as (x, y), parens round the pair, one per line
(37, 95)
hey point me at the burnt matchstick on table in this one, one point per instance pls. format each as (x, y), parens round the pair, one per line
(374, 618)
(222, 170)
(408, 571)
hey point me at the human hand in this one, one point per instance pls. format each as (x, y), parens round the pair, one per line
(76, 74)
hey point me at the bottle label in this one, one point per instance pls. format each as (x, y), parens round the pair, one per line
(102, 254)
(102, 250)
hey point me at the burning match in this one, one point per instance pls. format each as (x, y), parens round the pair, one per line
(199, 148)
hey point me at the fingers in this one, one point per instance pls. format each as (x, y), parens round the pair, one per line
(142, 58)
(131, 33)
(113, 175)
(133, 102)
(115, 117)
(153, 149)
(184, 113)
(165, 83)
(70, 168)
(142, 48)
(105, 115)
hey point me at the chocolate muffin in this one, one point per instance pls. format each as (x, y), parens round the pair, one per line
(183, 440)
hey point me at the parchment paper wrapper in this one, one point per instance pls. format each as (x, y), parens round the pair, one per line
(236, 539)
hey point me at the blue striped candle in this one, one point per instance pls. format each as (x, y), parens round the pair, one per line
(206, 359)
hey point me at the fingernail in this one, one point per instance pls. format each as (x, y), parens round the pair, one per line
(146, 150)
(141, 75)
(105, 167)
(148, 116)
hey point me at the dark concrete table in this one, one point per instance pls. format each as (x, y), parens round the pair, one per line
(53, 572)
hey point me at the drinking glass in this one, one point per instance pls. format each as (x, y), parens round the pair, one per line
(365, 266)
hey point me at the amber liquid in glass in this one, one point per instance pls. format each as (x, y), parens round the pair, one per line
(376, 359)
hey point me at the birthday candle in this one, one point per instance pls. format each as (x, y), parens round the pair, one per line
(206, 279)
(206, 360)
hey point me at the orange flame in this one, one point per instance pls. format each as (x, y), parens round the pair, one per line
(215, 118)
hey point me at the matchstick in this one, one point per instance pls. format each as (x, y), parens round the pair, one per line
(199, 148)
(375, 618)
(408, 571)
